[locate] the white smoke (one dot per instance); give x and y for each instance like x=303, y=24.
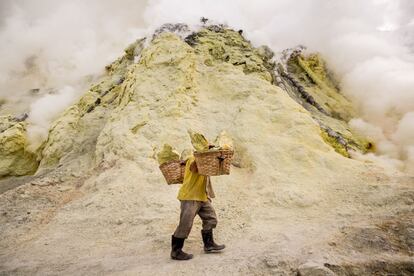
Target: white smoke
x=44, y=110
x=48, y=46
x=369, y=44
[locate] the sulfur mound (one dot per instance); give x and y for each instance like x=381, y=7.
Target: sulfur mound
x=15, y=158
x=294, y=203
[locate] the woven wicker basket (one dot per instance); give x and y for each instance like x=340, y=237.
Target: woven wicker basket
x=214, y=162
x=173, y=171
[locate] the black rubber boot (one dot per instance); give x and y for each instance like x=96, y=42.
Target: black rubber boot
x=209, y=245
x=176, y=250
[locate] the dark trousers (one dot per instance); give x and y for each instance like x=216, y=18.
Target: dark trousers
x=191, y=208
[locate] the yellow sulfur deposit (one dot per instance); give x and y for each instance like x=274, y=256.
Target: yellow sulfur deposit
x=15, y=158
x=198, y=141
x=167, y=154
x=223, y=141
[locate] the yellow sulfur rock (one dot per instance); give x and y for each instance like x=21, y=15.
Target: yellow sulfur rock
x=223, y=141
x=198, y=141
x=167, y=154
x=15, y=159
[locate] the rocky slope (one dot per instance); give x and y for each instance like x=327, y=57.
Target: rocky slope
x=294, y=203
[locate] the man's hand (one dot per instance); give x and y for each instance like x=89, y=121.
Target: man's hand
x=193, y=167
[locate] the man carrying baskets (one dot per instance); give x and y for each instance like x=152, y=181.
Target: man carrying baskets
x=195, y=196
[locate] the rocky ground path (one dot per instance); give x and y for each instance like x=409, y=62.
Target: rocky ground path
x=121, y=227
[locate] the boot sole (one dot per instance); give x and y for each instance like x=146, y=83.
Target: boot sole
x=177, y=259
x=213, y=250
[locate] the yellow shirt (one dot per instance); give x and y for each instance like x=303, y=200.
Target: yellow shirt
x=194, y=185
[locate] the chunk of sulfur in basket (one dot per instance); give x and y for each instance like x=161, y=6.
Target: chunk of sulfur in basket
x=167, y=154
x=198, y=141
x=224, y=141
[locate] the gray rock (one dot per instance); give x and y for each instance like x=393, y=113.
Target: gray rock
x=314, y=269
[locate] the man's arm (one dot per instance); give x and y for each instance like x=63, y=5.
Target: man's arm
x=193, y=167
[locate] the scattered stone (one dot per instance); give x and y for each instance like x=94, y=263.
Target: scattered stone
x=403, y=268
x=178, y=28
x=272, y=262
x=21, y=117
x=332, y=243
x=313, y=269
x=64, y=188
